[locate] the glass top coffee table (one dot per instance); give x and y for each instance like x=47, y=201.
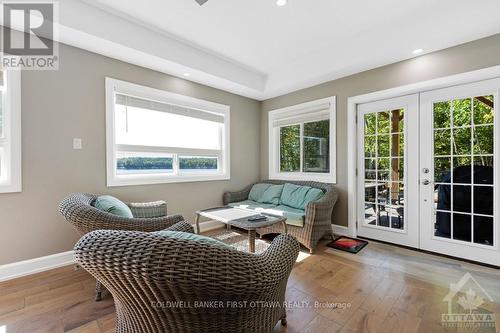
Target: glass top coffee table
x=239, y=218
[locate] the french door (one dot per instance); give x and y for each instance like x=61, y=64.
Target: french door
x=387, y=170
x=428, y=171
x=459, y=171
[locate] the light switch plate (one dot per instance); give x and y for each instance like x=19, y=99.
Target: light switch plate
x=77, y=143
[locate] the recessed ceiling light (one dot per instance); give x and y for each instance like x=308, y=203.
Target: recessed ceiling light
x=281, y=3
x=418, y=51
x=187, y=74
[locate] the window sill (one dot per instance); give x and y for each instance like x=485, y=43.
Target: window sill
x=306, y=176
x=149, y=180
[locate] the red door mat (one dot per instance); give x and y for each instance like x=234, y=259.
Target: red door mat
x=348, y=244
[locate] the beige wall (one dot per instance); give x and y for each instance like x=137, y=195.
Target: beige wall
x=471, y=56
x=60, y=105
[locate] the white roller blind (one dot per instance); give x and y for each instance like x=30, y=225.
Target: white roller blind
x=318, y=113
x=169, y=108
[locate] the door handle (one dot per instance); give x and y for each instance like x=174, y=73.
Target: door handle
x=425, y=182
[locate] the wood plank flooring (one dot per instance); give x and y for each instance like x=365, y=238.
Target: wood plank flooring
x=384, y=288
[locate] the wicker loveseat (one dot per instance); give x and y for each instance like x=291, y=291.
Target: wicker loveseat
x=163, y=283
x=78, y=209
x=317, y=216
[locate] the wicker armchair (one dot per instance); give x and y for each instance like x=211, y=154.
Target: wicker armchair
x=167, y=284
x=77, y=209
x=318, y=219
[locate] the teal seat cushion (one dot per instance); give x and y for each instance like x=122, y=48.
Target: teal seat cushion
x=112, y=205
x=272, y=195
x=294, y=216
x=193, y=237
x=250, y=204
x=297, y=196
x=257, y=192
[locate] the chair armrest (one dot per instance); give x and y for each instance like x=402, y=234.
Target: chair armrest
x=236, y=196
x=202, y=271
x=148, y=209
x=321, y=210
x=282, y=254
x=182, y=226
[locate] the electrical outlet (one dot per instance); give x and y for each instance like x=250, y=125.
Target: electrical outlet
x=77, y=143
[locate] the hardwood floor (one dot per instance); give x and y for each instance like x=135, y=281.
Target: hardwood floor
x=384, y=288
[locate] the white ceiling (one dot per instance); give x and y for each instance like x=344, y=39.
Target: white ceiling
x=258, y=49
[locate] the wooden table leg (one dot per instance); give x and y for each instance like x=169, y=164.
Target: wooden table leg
x=251, y=241
x=197, y=223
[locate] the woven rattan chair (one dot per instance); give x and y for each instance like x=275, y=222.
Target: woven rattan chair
x=167, y=284
x=318, y=219
x=78, y=209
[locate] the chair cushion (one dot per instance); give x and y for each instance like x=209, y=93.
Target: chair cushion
x=272, y=195
x=294, y=216
x=257, y=192
x=193, y=237
x=297, y=196
x=250, y=204
x=112, y=205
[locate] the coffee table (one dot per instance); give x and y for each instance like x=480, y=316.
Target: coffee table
x=238, y=217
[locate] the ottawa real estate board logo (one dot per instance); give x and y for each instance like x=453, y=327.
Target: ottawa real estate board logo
x=28, y=42
x=467, y=308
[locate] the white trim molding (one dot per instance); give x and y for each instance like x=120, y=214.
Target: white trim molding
x=190, y=106
x=415, y=88
x=36, y=265
x=10, y=143
x=321, y=109
x=340, y=230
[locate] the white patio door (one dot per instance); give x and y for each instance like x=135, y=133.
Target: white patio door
x=459, y=133
x=388, y=170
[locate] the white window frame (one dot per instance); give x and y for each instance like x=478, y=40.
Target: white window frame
x=113, y=87
x=10, y=143
x=274, y=142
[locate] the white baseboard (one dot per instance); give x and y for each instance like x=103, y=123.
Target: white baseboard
x=340, y=230
x=36, y=265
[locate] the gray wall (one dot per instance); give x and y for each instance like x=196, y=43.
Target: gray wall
x=471, y=56
x=60, y=105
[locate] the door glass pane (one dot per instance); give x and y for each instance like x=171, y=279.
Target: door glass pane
x=384, y=168
x=483, y=140
x=483, y=110
x=483, y=230
x=442, y=169
x=483, y=200
x=463, y=172
x=290, y=148
x=443, y=224
x=383, y=145
x=442, y=142
x=462, y=227
x=461, y=109
x=461, y=141
x=383, y=122
x=483, y=170
x=462, y=168
x=370, y=123
x=442, y=115
x=317, y=146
